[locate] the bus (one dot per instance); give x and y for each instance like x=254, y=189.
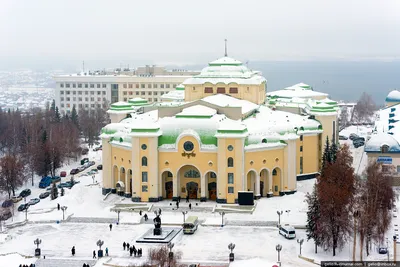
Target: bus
x=287, y=231
x=190, y=225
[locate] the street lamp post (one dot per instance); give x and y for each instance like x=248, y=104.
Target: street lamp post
x=100, y=243
x=170, y=254
x=64, y=208
x=279, y=215
x=394, y=248
x=387, y=247
x=278, y=249
x=300, y=241
x=222, y=218
x=26, y=210
x=231, y=246
x=37, y=242
x=184, y=215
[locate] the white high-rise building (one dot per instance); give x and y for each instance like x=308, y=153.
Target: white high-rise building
x=99, y=89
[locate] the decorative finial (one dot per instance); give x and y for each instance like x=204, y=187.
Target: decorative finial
x=226, y=47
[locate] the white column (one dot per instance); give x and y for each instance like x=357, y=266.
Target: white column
x=257, y=185
x=270, y=190
x=126, y=181
x=203, y=186
x=175, y=185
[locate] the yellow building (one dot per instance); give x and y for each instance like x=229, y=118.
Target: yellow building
x=216, y=137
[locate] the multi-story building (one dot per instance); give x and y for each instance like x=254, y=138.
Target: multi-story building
x=217, y=136
x=99, y=89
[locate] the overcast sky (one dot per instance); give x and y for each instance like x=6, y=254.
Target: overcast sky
x=192, y=32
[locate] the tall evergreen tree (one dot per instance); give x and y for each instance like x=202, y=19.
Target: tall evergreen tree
x=57, y=116
x=313, y=218
x=74, y=116
x=54, y=191
x=53, y=106
x=333, y=151
x=326, y=157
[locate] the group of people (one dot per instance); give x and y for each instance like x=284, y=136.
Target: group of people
x=187, y=201
x=132, y=250
x=30, y=265
x=85, y=265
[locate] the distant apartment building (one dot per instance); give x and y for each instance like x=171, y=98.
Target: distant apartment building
x=99, y=89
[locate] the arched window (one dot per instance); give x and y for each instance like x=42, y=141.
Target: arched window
x=274, y=172
x=385, y=149
x=144, y=161
x=230, y=162
x=264, y=141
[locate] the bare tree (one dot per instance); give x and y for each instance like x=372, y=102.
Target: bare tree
x=159, y=256
x=12, y=174
x=364, y=108
x=335, y=189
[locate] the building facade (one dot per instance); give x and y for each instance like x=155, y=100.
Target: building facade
x=219, y=135
x=93, y=90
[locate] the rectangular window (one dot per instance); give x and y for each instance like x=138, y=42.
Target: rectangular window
x=62, y=105
x=125, y=92
x=301, y=165
x=130, y=93
x=86, y=99
x=125, y=99
x=221, y=90
x=68, y=105
x=149, y=93
x=92, y=85
x=230, y=178
x=398, y=168
x=73, y=85
x=79, y=85
x=104, y=92
x=104, y=85
x=149, y=85
x=62, y=98
x=301, y=148
x=155, y=99
x=86, y=85
x=142, y=93
x=99, y=105
x=145, y=188
x=233, y=90
x=130, y=86
x=61, y=92
x=150, y=99
x=137, y=93
x=92, y=99
x=154, y=93
x=125, y=86
x=276, y=188
x=174, y=86
x=79, y=98
x=142, y=85
x=98, y=85
x=67, y=85
x=144, y=177
x=301, y=138
x=86, y=105
x=208, y=90
x=74, y=92
x=99, y=99
x=61, y=85
x=74, y=98
x=68, y=98
x=104, y=99
x=92, y=92
x=167, y=86
x=137, y=86
x=161, y=85
x=86, y=92
x=79, y=92
x=67, y=92
x=98, y=92
x=231, y=190
x=92, y=105
x=155, y=85
x=80, y=106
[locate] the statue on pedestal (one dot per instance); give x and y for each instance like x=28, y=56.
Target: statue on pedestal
x=157, y=224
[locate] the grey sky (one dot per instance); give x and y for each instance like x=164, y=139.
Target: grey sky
x=188, y=31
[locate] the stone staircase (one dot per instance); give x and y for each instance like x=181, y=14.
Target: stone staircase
x=53, y=262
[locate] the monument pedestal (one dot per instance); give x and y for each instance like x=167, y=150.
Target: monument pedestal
x=157, y=231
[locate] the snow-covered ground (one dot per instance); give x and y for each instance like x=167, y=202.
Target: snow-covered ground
x=255, y=235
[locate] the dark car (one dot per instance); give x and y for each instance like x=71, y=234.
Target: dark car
x=74, y=171
x=359, y=139
x=63, y=174
x=383, y=250
x=353, y=136
x=98, y=148
x=342, y=137
x=100, y=167
x=44, y=195
x=358, y=143
x=23, y=207
x=55, y=179
x=25, y=193
x=5, y=214
x=7, y=203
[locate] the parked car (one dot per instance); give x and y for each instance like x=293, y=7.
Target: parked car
x=100, y=167
x=44, y=195
x=383, y=250
x=84, y=160
x=23, y=207
x=45, y=182
x=358, y=144
x=63, y=174
x=91, y=163
x=5, y=214
x=94, y=170
x=98, y=148
x=85, y=150
x=16, y=199
x=359, y=138
x=7, y=203
x=353, y=136
x=55, y=179
x=33, y=201
x=342, y=137
x=74, y=171
x=81, y=168
x=25, y=193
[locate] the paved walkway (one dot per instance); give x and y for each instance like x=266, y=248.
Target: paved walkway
x=54, y=262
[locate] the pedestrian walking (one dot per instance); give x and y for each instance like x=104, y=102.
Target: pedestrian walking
x=84, y=265
x=106, y=251
x=190, y=206
x=124, y=245
x=187, y=198
x=110, y=226
x=127, y=245
x=146, y=217
x=140, y=212
x=73, y=251
x=177, y=205
x=134, y=251
x=179, y=198
x=131, y=251
x=159, y=211
x=58, y=206
x=94, y=254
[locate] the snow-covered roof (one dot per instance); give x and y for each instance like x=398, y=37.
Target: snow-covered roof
x=301, y=93
x=197, y=110
x=393, y=96
x=376, y=141
x=177, y=95
x=387, y=121
x=229, y=101
x=227, y=71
